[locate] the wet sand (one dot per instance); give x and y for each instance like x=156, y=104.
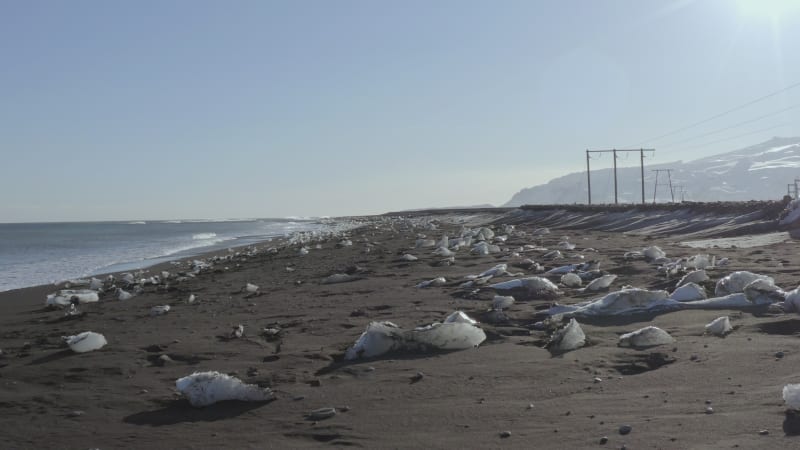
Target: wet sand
x=123, y=396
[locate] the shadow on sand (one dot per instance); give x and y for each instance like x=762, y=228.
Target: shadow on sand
x=178, y=411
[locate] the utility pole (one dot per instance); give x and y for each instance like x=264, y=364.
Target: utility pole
x=681, y=191
x=614, y=154
x=669, y=177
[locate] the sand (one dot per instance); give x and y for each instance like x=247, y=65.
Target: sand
x=123, y=396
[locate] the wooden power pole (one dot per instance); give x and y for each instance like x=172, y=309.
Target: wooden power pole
x=614, y=154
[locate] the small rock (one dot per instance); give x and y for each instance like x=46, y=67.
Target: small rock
x=75, y=413
x=505, y=434
x=709, y=410
x=779, y=355
x=694, y=357
x=315, y=383
x=530, y=405
x=598, y=379
x=603, y=440
x=344, y=408
x=625, y=429
x=417, y=377
x=165, y=358
x=763, y=432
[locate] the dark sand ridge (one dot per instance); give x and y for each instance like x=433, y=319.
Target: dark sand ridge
x=123, y=397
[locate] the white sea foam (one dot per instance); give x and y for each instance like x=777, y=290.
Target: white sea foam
x=203, y=236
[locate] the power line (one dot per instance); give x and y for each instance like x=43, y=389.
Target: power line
x=716, y=116
x=720, y=130
x=740, y=135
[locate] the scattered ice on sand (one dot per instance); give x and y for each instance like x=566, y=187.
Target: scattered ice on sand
x=645, y=337
x=251, y=288
x=64, y=297
x=85, y=342
x=207, y=388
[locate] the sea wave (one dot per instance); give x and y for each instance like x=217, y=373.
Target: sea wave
x=203, y=236
x=137, y=222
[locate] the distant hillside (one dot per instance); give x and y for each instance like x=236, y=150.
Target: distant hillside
x=758, y=172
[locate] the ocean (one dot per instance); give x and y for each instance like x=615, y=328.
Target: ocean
x=32, y=254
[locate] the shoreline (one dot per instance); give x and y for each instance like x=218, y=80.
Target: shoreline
x=123, y=395
x=184, y=255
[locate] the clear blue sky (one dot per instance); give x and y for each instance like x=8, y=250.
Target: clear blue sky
x=211, y=109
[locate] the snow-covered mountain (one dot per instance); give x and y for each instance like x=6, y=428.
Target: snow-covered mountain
x=758, y=172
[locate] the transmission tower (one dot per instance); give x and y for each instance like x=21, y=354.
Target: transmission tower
x=668, y=183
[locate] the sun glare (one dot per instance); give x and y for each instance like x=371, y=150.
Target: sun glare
x=768, y=8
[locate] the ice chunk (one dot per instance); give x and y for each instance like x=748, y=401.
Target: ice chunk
x=653, y=253
x=689, y=292
x=569, y=338
x=736, y=282
x=408, y=257
x=695, y=276
x=445, y=336
x=496, y=271
x=531, y=287
x=159, y=310
x=792, y=303
x=443, y=251
x=645, y=337
x=85, y=342
x=720, y=326
x=340, y=278
x=763, y=289
x=700, y=261
x=438, y=281
x=459, y=332
x=791, y=396
x=627, y=301
x=502, y=302
x=601, y=283
x=207, y=388
x=571, y=280
x=251, y=288
x=459, y=317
